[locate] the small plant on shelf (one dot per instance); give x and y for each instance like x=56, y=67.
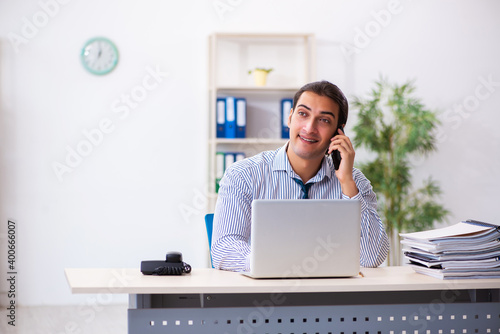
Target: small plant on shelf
x=260, y=75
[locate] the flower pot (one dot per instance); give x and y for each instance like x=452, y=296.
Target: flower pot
x=260, y=77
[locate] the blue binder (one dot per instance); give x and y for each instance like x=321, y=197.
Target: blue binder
x=230, y=117
x=229, y=159
x=241, y=117
x=221, y=117
x=219, y=169
x=232, y=157
x=286, y=106
x=222, y=162
x=238, y=156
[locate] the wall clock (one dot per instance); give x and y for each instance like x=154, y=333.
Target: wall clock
x=99, y=56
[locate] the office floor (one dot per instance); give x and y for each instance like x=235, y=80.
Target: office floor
x=111, y=319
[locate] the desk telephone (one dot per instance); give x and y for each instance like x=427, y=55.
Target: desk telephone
x=172, y=265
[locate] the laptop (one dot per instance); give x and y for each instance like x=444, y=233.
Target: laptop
x=305, y=238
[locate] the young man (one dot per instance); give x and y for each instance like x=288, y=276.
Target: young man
x=299, y=169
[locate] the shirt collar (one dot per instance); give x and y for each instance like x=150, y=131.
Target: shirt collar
x=281, y=163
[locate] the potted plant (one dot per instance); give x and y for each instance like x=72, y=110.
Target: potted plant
x=260, y=75
x=396, y=127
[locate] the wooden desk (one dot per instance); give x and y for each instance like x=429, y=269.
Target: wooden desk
x=386, y=300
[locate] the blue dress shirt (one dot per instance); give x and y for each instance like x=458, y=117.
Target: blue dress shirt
x=269, y=175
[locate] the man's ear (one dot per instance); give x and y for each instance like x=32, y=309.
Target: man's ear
x=290, y=117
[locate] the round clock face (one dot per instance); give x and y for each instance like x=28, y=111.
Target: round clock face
x=99, y=56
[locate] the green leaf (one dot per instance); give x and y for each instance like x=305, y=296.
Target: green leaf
x=395, y=125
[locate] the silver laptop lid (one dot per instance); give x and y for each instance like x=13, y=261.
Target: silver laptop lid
x=305, y=238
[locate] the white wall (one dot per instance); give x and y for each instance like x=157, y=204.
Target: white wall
x=125, y=201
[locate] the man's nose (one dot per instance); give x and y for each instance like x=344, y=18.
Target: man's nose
x=310, y=126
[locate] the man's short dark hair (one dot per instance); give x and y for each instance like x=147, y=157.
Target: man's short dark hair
x=325, y=88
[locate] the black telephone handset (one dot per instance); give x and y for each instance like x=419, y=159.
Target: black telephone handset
x=336, y=158
x=172, y=265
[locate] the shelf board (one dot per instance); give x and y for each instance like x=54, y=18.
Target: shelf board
x=263, y=141
x=256, y=89
x=239, y=36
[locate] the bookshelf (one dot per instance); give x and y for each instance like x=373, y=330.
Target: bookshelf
x=231, y=56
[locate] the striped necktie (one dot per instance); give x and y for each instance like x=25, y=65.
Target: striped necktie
x=305, y=187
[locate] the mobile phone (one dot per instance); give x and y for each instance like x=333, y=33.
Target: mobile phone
x=336, y=158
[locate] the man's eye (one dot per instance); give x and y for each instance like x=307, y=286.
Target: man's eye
x=325, y=120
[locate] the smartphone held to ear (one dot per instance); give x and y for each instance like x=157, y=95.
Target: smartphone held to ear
x=336, y=158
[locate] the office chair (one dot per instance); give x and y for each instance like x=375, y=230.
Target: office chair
x=209, y=222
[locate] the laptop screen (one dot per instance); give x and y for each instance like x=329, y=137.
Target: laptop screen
x=305, y=238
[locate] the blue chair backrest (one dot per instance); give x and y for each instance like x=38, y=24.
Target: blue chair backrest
x=209, y=223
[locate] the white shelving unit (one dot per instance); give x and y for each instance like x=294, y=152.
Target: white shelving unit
x=231, y=56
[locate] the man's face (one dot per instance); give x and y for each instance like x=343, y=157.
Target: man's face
x=312, y=124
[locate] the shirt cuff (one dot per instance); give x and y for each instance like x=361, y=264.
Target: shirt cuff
x=359, y=197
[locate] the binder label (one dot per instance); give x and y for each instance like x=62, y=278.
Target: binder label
x=230, y=115
x=221, y=106
x=241, y=110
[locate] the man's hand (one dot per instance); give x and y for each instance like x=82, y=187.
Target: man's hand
x=342, y=143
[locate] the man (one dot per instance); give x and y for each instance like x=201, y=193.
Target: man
x=299, y=169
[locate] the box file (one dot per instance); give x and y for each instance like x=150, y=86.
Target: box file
x=230, y=117
x=241, y=117
x=239, y=156
x=228, y=160
x=286, y=106
x=221, y=117
x=219, y=169
x=231, y=113
x=223, y=160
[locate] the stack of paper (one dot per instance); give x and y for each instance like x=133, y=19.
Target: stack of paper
x=469, y=249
